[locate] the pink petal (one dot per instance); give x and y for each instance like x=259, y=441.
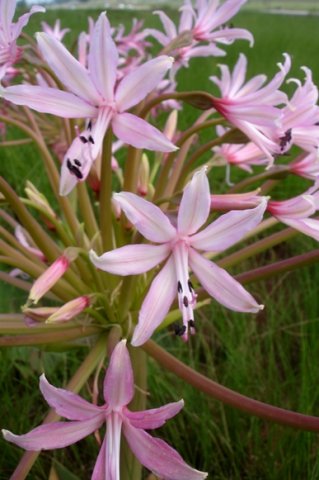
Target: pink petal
x=308, y=226
x=167, y=23
x=195, y=205
x=103, y=58
x=154, y=418
x=49, y=100
x=119, y=382
x=113, y=443
x=158, y=456
x=23, y=20
x=66, y=403
x=141, y=81
x=228, y=229
x=221, y=286
x=55, y=435
x=131, y=259
x=7, y=9
x=147, y=218
x=68, y=70
x=100, y=464
x=137, y=132
x=156, y=303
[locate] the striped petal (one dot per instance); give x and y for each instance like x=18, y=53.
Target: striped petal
x=147, y=218
x=195, y=205
x=228, y=229
x=222, y=286
x=156, y=303
x=119, y=382
x=154, y=418
x=131, y=259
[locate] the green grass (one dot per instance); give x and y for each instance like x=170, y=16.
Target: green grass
x=272, y=356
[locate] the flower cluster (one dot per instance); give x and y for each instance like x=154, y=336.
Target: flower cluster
x=148, y=216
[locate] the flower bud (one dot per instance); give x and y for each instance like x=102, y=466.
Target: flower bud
x=69, y=310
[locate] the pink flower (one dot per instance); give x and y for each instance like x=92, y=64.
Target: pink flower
x=301, y=116
x=93, y=94
x=210, y=22
x=9, y=31
x=236, y=201
x=296, y=211
x=56, y=31
x=205, y=23
x=251, y=106
x=85, y=418
x=241, y=155
x=179, y=246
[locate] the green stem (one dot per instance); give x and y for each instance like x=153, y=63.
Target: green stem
x=131, y=170
x=274, y=172
x=257, y=247
x=48, y=337
x=282, y=266
x=228, y=396
x=78, y=380
x=87, y=211
x=106, y=193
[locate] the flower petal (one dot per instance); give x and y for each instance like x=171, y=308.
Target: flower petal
x=146, y=217
x=7, y=9
x=137, y=132
x=195, y=204
x=156, y=303
x=66, y=403
x=103, y=58
x=228, y=229
x=55, y=435
x=154, y=418
x=131, y=259
x=158, y=456
x=100, y=464
x=48, y=100
x=68, y=70
x=119, y=381
x=141, y=81
x=308, y=226
x=222, y=286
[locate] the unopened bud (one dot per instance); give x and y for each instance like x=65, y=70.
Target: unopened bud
x=69, y=310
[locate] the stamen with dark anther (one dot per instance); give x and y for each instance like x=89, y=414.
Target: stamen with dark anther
x=179, y=330
x=90, y=125
x=285, y=139
x=73, y=169
x=190, y=286
x=77, y=162
x=83, y=139
x=185, y=301
x=179, y=287
x=91, y=139
x=191, y=323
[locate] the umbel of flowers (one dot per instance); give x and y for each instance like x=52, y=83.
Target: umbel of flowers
x=133, y=243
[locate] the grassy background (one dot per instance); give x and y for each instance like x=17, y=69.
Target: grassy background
x=272, y=356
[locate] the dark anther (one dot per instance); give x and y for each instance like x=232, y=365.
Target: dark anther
x=90, y=125
x=185, y=301
x=179, y=330
x=91, y=139
x=190, y=286
x=83, y=139
x=191, y=323
x=73, y=169
x=179, y=287
x=285, y=139
x=77, y=162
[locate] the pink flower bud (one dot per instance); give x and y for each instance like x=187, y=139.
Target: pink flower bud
x=69, y=310
x=50, y=277
x=236, y=201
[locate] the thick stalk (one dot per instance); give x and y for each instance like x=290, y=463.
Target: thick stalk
x=131, y=469
x=87, y=210
x=47, y=338
x=131, y=170
x=75, y=384
x=106, y=193
x=274, y=172
x=228, y=396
